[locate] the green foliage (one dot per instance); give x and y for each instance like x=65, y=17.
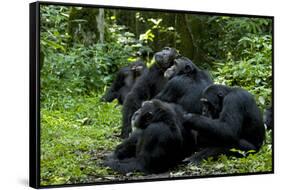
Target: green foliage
x=81, y=70
x=224, y=33
x=253, y=71
x=53, y=25
x=157, y=32
x=121, y=35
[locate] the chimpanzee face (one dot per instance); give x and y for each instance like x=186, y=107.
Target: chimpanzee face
x=143, y=116
x=182, y=66
x=165, y=58
x=208, y=109
x=137, y=69
x=212, y=102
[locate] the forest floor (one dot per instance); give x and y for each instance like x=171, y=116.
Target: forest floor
x=77, y=133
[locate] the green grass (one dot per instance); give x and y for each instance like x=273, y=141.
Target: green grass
x=74, y=139
x=77, y=133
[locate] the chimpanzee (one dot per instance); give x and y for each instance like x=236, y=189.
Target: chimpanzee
x=185, y=85
x=268, y=118
x=125, y=79
x=157, y=143
x=230, y=119
x=147, y=86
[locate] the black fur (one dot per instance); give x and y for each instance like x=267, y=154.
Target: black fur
x=158, y=143
x=185, y=85
x=147, y=86
x=231, y=119
x=125, y=80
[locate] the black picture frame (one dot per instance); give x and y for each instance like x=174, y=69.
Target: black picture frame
x=34, y=91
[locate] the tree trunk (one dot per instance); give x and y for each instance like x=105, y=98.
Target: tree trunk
x=100, y=24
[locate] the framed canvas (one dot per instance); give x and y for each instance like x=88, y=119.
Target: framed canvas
x=131, y=94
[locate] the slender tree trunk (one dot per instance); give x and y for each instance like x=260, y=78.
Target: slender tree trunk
x=100, y=23
x=175, y=33
x=195, y=49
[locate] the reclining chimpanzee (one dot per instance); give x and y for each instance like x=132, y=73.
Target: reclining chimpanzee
x=158, y=142
x=147, y=86
x=125, y=79
x=230, y=119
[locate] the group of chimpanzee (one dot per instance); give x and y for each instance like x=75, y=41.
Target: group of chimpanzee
x=173, y=113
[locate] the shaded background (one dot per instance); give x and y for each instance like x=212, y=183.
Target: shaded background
x=84, y=47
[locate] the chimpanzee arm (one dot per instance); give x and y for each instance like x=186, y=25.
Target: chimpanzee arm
x=213, y=128
x=226, y=128
x=126, y=165
x=131, y=105
x=127, y=148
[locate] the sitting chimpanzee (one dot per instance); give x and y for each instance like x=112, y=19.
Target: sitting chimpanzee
x=185, y=85
x=147, y=86
x=125, y=79
x=157, y=143
x=268, y=118
x=230, y=119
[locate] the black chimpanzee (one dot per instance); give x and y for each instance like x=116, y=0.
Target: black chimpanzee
x=125, y=79
x=185, y=85
x=230, y=119
x=147, y=86
x=157, y=143
x=268, y=118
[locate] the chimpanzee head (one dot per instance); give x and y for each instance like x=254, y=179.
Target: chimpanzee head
x=137, y=68
x=182, y=66
x=151, y=111
x=212, y=100
x=165, y=58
